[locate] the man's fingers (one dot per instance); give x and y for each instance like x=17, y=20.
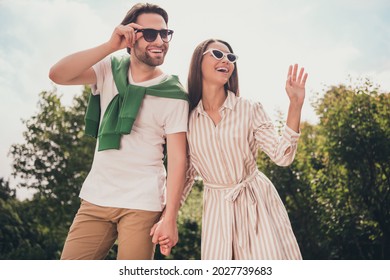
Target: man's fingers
x=128, y=31
x=155, y=238
x=153, y=229
x=135, y=26
x=164, y=242
x=165, y=250
x=162, y=237
x=135, y=36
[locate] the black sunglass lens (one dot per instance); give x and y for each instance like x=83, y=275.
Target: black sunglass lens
x=150, y=35
x=164, y=34
x=231, y=57
x=218, y=54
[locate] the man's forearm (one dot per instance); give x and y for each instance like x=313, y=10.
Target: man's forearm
x=72, y=66
x=175, y=181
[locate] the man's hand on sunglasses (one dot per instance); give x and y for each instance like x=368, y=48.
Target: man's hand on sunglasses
x=124, y=36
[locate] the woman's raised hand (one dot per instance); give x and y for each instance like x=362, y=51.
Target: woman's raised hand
x=295, y=86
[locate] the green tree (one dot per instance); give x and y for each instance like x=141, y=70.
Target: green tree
x=337, y=189
x=54, y=161
x=355, y=122
x=297, y=187
x=20, y=237
x=5, y=191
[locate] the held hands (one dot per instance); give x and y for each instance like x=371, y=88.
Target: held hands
x=165, y=233
x=124, y=36
x=295, y=86
x=165, y=248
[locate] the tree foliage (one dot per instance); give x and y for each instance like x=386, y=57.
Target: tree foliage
x=355, y=121
x=336, y=191
x=21, y=234
x=56, y=155
x=54, y=161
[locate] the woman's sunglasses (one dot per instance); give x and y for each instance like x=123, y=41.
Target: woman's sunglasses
x=151, y=34
x=219, y=55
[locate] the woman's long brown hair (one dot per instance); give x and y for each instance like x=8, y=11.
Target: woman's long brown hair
x=195, y=75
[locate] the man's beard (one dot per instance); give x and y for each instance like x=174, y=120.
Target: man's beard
x=143, y=55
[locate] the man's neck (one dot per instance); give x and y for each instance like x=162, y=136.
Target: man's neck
x=140, y=72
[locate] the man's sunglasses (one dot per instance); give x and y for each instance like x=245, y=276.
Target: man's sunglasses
x=219, y=55
x=151, y=34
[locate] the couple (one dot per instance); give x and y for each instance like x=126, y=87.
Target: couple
x=135, y=109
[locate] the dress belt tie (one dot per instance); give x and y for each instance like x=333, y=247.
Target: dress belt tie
x=242, y=211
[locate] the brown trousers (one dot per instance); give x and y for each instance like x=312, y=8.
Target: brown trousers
x=95, y=229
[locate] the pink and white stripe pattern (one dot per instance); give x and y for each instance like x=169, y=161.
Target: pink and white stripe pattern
x=243, y=215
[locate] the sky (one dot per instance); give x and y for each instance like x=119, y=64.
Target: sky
x=335, y=40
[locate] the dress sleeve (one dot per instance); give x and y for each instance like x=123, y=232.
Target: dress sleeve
x=280, y=148
x=189, y=181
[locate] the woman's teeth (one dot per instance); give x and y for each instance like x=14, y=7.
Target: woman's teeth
x=222, y=69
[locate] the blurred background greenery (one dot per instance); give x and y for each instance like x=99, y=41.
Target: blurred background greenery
x=337, y=191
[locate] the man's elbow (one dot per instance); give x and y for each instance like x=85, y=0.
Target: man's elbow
x=54, y=75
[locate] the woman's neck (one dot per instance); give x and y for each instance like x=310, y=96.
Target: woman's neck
x=213, y=97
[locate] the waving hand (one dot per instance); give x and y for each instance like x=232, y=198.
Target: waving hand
x=295, y=86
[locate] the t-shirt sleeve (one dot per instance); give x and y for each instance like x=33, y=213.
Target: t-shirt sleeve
x=177, y=118
x=101, y=70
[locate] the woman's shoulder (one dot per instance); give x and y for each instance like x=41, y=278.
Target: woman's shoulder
x=244, y=101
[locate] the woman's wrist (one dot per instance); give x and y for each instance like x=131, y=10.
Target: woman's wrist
x=296, y=105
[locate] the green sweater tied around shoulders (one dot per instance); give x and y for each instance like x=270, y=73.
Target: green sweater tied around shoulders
x=122, y=111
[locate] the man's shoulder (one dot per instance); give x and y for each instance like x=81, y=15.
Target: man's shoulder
x=118, y=57
x=118, y=61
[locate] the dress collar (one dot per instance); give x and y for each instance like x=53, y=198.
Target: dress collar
x=229, y=103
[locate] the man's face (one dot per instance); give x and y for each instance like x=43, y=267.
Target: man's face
x=150, y=53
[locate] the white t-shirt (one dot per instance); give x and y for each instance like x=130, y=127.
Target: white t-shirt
x=134, y=176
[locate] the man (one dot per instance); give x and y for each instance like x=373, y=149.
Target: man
x=124, y=194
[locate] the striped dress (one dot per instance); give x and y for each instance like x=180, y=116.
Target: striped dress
x=243, y=215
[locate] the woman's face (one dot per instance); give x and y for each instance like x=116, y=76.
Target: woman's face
x=216, y=71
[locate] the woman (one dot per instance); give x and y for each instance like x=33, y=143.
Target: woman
x=243, y=215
